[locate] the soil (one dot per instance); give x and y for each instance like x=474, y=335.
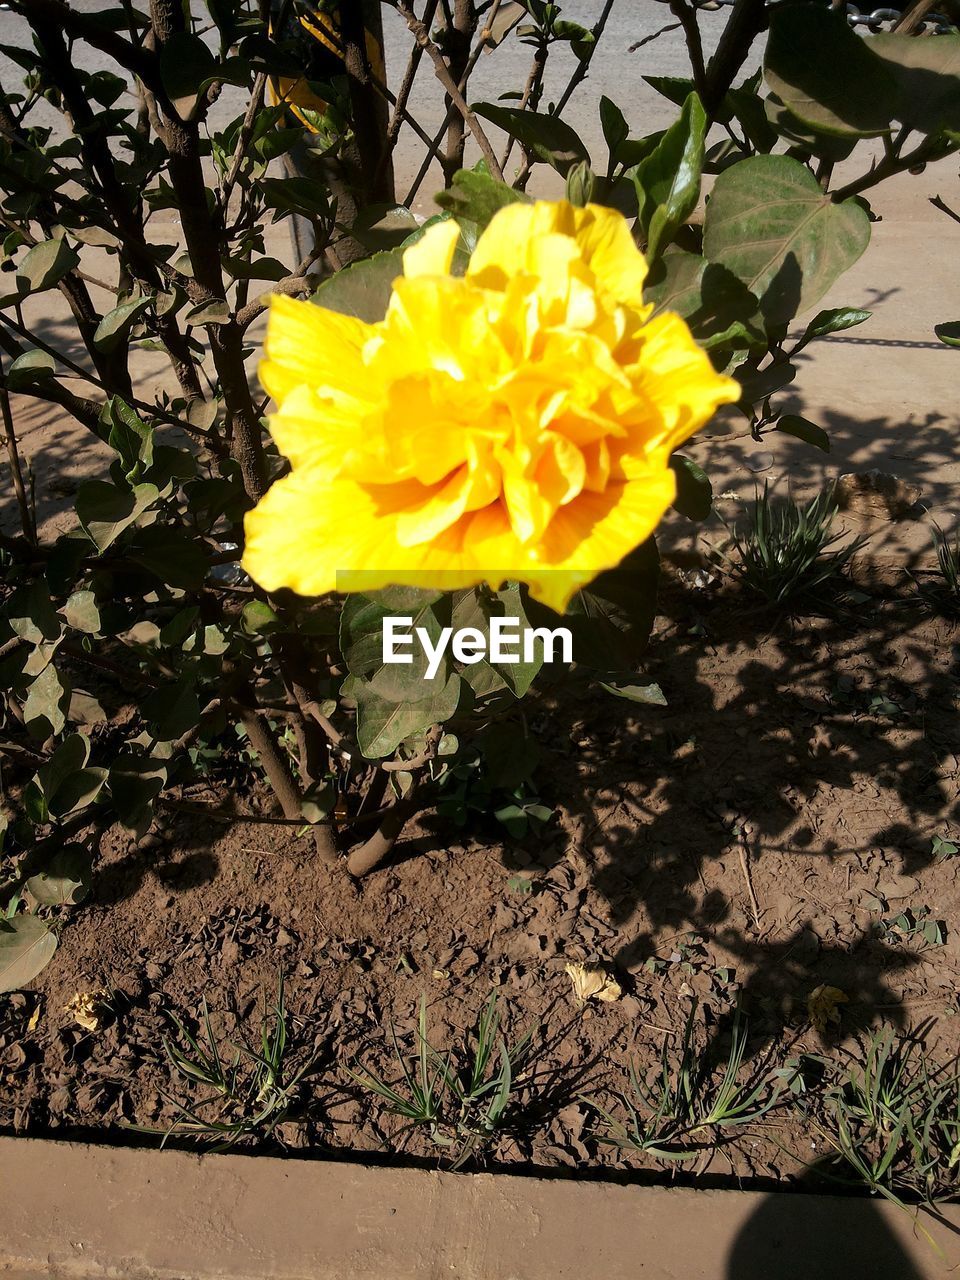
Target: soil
x=750, y=841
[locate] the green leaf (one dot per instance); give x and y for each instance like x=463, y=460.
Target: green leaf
x=675, y=89
x=31, y=614
x=614, y=125
x=45, y=265
x=650, y=695
x=65, y=880
x=70, y=755
x=77, y=791
x=382, y=724
x=476, y=197
x=104, y=511
x=383, y=226
x=826, y=75
x=172, y=710
x=258, y=618
x=717, y=306
x=363, y=289
x=793, y=425
x=215, y=312
x=186, y=64
x=26, y=947
x=256, y=268
x=926, y=73
x=135, y=782
x=361, y=640
x=770, y=224
x=546, y=137
x=949, y=333
x=81, y=612
x=44, y=710
x=475, y=609
x=129, y=435
x=668, y=180
x=306, y=196
x=32, y=366
x=832, y=321
x=115, y=326
x=694, y=492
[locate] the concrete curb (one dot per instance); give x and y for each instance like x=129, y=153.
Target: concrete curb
x=68, y=1210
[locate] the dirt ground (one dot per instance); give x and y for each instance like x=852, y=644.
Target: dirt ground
x=750, y=841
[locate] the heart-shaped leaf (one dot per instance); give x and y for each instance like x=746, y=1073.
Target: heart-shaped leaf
x=770, y=224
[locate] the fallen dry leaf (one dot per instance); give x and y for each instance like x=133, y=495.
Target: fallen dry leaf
x=592, y=982
x=822, y=1006
x=89, y=1009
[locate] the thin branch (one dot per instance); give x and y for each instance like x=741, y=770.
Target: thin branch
x=27, y=523
x=422, y=36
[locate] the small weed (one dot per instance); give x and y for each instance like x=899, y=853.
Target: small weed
x=943, y=848
x=918, y=925
x=787, y=552
x=943, y=592
x=894, y=1121
x=461, y=1101
x=686, y=1111
x=251, y=1093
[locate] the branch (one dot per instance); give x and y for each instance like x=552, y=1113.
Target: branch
x=748, y=19
x=422, y=36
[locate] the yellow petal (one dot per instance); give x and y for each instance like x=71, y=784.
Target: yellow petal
x=679, y=380
x=608, y=248
x=314, y=536
x=307, y=345
x=319, y=429
x=432, y=254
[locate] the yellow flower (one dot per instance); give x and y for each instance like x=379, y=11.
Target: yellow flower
x=515, y=423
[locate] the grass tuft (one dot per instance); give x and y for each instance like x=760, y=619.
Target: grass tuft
x=787, y=553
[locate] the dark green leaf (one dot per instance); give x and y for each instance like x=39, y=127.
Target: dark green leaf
x=185, y=65
x=832, y=321
x=32, y=366
x=64, y=880
x=135, y=782
x=105, y=511
x=172, y=710
x=668, y=180
x=476, y=197
x=614, y=125
x=174, y=555
x=115, y=326
x=826, y=75
x=546, y=137
x=793, y=425
x=694, y=492
x=926, y=73
x=45, y=265
x=382, y=724
x=46, y=703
